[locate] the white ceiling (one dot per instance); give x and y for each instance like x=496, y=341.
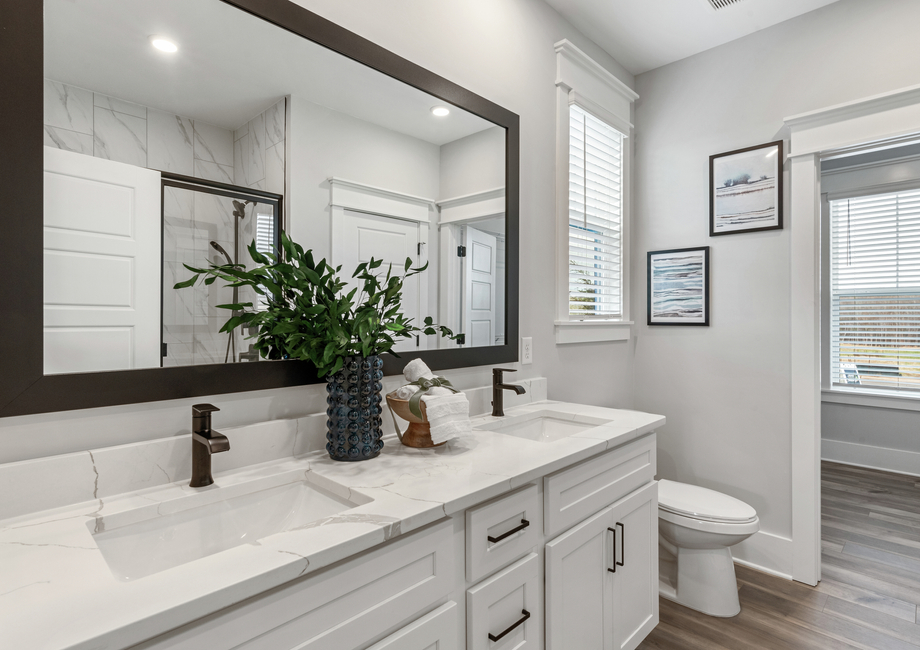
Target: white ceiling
x=229, y=68
x=645, y=34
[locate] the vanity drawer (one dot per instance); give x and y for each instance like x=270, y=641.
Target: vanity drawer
x=505, y=611
x=575, y=493
x=434, y=631
x=500, y=532
x=347, y=605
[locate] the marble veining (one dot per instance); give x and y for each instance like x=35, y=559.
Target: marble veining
x=120, y=137
x=256, y=170
x=213, y=144
x=274, y=168
x=213, y=172
x=119, y=105
x=171, y=143
x=68, y=107
x=68, y=140
x=274, y=124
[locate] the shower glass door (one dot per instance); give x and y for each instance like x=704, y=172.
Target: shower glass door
x=210, y=223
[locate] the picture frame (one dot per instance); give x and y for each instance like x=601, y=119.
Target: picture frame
x=746, y=190
x=678, y=286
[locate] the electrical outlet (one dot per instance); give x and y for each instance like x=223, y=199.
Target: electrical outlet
x=526, y=350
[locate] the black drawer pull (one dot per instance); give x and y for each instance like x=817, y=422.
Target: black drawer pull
x=622, y=546
x=496, y=540
x=615, y=564
x=525, y=616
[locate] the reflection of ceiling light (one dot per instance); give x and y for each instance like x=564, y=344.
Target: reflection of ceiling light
x=772, y=153
x=164, y=44
x=440, y=111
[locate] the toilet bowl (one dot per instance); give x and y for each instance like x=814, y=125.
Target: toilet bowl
x=696, y=527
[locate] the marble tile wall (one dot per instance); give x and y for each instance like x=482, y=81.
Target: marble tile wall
x=94, y=124
x=258, y=151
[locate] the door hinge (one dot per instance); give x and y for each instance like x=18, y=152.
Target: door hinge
x=461, y=251
x=164, y=350
x=461, y=339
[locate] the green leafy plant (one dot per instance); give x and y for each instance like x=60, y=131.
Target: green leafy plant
x=306, y=313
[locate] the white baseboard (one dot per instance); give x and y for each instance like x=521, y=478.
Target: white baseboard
x=889, y=460
x=765, y=552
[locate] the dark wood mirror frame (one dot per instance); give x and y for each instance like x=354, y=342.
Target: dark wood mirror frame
x=24, y=389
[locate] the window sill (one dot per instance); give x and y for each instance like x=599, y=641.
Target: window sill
x=592, y=331
x=872, y=398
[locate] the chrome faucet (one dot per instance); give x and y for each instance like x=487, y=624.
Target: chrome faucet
x=498, y=387
x=205, y=442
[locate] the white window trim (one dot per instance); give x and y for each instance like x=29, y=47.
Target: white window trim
x=581, y=80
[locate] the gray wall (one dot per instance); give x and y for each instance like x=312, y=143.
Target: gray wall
x=470, y=164
x=726, y=389
x=500, y=49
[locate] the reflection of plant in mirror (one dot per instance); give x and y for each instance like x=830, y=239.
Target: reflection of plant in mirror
x=308, y=316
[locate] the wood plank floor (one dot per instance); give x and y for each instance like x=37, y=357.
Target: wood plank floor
x=870, y=591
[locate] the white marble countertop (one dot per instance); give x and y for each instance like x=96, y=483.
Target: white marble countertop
x=57, y=591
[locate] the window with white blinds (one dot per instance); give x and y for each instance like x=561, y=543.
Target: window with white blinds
x=265, y=231
x=875, y=291
x=595, y=217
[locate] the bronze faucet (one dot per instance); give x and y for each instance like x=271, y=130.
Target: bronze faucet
x=204, y=443
x=498, y=387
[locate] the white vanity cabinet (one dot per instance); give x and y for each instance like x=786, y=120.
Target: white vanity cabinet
x=568, y=562
x=602, y=573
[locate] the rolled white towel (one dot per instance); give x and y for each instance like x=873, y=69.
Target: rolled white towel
x=407, y=391
x=448, y=415
x=416, y=369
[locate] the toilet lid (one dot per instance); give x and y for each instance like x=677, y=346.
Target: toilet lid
x=701, y=503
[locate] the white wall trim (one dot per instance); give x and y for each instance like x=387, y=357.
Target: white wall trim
x=869, y=456
x=591, y=331
x=880, y=400
x=856, y=108
x=822, y=133
x=479, y=205
x=871, y=165
x=378, y=200
x=623, y=126
x=766, y=552
x=889, y=117
x=569, y=53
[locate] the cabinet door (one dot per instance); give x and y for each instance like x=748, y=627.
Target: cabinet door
x=635, y=583
x=579, y=595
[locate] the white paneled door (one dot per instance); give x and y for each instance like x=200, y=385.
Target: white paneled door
x=479, y=288
x=102, y=264
x=365, y=236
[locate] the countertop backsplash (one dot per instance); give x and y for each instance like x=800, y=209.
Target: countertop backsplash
x=56, y=481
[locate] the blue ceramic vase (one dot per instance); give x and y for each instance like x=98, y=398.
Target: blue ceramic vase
x=354, y=409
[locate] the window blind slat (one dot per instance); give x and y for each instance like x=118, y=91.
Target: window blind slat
x=595, y=216
x=875, y=291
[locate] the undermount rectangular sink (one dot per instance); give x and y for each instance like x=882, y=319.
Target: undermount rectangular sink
x=543, y=426
x=150, y=539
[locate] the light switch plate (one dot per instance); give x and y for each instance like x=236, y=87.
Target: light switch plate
x=526, y=350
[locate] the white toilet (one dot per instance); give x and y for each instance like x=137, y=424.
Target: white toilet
x=695, y=528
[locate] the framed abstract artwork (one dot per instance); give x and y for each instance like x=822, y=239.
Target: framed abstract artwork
x=678, y=286
x=746, y=190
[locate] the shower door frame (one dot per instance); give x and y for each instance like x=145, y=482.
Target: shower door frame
x=194, y=184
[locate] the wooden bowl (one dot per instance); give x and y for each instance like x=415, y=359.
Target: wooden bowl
x=418, y=434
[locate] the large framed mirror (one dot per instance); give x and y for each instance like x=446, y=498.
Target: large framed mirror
x=144, y=135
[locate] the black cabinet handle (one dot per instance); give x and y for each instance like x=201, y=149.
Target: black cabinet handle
x=615, y=565
x=622, y=546
x=525, y=616
x=496, y=540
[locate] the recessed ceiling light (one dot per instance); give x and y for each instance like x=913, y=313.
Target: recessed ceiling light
x=440, y=111
x=163, y=44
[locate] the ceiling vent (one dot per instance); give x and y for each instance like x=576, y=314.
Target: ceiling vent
x=721, y=4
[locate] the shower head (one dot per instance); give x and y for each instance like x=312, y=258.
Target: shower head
x=239, y=209
x=220, y=249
